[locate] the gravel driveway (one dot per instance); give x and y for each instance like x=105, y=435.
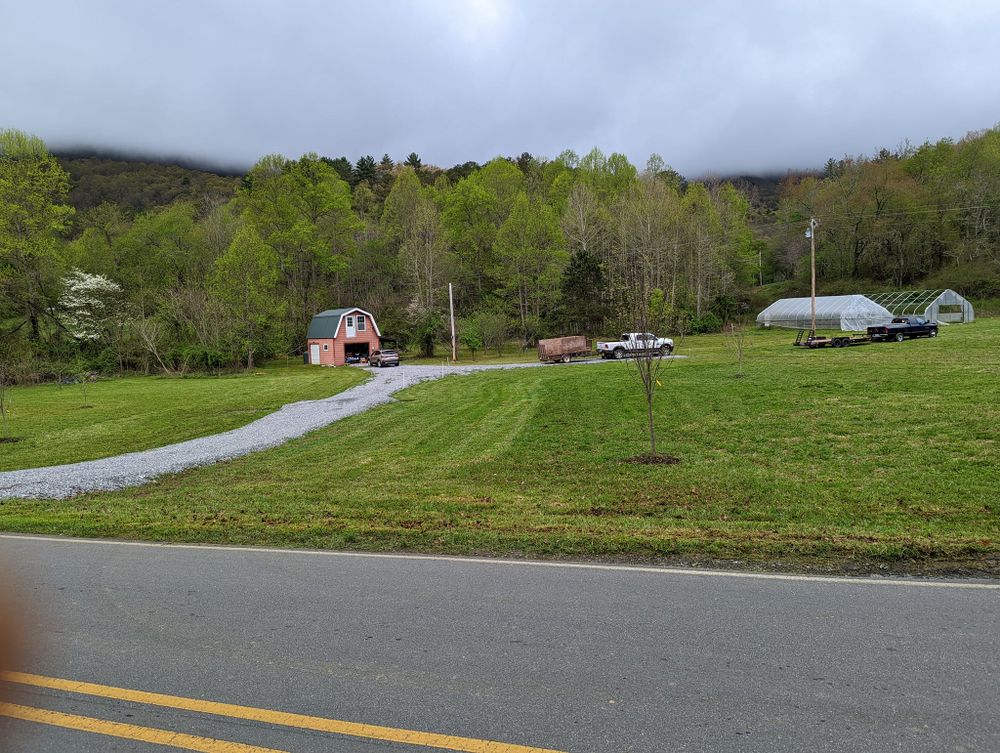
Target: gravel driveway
x=291, y=421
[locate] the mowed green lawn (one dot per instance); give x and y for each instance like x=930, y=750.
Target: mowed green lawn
x=58, y=424
x=881, y=457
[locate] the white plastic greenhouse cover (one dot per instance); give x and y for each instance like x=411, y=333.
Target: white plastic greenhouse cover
x=848, y=313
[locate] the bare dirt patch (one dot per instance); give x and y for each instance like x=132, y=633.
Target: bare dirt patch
x=649, y=458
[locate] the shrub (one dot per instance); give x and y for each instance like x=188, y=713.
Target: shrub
x=426, y=331
x=470, y=335
x=707, y=322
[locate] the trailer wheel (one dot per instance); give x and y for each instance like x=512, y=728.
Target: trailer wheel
x=565, y=358
x=900, y=337
x=619, y=353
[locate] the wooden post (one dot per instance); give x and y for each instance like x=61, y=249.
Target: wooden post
x=451, y=308
x=812, y=258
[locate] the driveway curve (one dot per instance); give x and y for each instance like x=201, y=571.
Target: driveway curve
x=291, y=421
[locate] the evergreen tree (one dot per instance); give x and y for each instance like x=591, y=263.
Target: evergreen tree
x=366, y=169
x=582, y=306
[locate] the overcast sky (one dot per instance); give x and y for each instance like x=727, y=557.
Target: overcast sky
x=717, y=87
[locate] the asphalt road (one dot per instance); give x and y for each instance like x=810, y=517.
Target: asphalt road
x=555, y=657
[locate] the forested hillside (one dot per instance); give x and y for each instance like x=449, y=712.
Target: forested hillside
x=139, y=186
x=924, y=216
x=117, y=265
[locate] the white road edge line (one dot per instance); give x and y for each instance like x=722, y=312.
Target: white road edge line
x=839, y=580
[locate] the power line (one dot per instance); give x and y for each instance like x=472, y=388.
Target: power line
x=889, y=213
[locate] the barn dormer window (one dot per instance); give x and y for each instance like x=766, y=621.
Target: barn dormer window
x=361, y=323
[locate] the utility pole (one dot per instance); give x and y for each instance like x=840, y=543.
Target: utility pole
x=813, y=222
x=451, y=308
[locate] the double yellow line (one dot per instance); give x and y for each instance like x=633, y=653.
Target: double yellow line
x=248, y=713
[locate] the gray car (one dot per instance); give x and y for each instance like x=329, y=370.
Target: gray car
x=383, y=358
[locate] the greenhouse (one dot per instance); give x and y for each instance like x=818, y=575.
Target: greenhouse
x=847, y=313
x=933, y=305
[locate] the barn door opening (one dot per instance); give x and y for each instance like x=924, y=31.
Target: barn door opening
x=356, y=352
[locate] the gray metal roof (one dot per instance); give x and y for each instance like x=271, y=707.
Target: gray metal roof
x=326, y=323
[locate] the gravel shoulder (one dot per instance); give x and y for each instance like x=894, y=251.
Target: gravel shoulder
x=291, y=421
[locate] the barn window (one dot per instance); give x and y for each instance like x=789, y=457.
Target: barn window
x=326, y=346
x=350, y=321
x=361, y=323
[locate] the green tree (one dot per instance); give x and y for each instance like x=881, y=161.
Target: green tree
x=473, y=212
x=704, y=231
x=302, y=210
x=244, y=279
x=582, y=307
x=159, y=253
x=102, y=226
x=366, y=170
x=411, y=223
x=427, y=330
x=470, y=335
x=33, y=216
x=610, y=177
x=532, y=254
x=494, y=325
x=343, y=167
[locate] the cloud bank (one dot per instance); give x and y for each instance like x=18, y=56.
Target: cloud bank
x=713, y=87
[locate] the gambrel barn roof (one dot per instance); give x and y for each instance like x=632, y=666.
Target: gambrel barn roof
x=326, y=324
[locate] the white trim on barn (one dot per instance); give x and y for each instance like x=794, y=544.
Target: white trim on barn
x=368, y=316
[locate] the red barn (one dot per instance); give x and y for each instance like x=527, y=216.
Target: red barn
x=337, y=333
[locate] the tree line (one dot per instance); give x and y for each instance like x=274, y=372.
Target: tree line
x=926, y=216
x=229, y=272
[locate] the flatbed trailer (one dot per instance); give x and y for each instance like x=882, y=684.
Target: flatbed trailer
x=834, y=341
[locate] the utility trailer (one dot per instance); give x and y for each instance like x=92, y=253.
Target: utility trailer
x=563, y=349
x=835, y=341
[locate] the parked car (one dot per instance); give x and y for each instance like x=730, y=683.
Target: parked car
x=383, y=358
x=903, y=328
x=636, y=343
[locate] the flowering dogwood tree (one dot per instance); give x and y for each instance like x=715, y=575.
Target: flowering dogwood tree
x=87, y=304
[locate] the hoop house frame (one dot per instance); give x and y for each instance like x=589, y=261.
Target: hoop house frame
x=926, y=303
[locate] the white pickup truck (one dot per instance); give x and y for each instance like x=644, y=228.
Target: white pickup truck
x=636, y=343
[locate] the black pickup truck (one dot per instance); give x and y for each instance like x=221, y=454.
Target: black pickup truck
x=904, y=327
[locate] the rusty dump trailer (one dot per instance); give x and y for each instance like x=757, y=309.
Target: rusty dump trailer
x=562, y=348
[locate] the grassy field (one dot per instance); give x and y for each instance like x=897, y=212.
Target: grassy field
x=60, y=424
x=875, y=458
x=510, y=353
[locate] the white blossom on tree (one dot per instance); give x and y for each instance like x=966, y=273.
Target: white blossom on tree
x=87, y=304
